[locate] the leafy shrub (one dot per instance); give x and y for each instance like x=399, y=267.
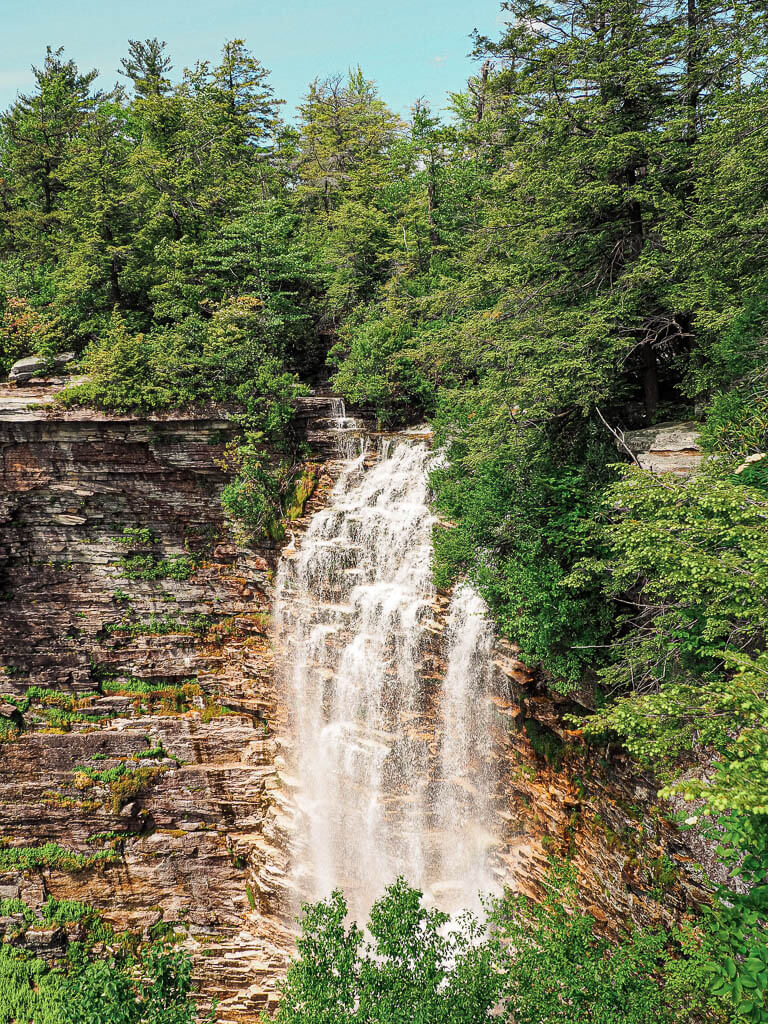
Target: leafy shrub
x=254, y=498
x=378, y=367
x=517, y=521
x=24, y=331
x=162, y=625
x=693, y=556
x=51, y=855
x=149, y=567
x=136, y=535
x=126, y=780
x=151, y=987
x=530, y=963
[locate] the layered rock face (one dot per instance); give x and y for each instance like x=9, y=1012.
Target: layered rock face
x=153, y=744
x=92, y=507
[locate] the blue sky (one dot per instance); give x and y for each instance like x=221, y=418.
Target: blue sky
x=412, y=48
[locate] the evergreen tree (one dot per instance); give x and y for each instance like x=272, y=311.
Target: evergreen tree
x=146, y=66
x=38, y=130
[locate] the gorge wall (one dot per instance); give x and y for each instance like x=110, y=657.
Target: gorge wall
x=146, y=630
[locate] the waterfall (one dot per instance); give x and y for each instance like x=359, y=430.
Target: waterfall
x=465, y=811
x=391, y=755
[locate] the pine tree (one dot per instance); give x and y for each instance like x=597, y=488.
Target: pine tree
x=346, y=130
x=146, y=66
x=38, y=130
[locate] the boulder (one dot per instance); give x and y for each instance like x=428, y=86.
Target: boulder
x=35, y=366
x=667, y=447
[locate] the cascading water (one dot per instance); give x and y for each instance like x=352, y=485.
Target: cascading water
x=392, y=758
x=467, y=773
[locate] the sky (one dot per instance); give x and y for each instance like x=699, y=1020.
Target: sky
x=411, y=48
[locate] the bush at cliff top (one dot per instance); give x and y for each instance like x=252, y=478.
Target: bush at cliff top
x=25, y=332
x=226, y=357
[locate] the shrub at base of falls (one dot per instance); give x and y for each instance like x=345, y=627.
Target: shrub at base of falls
x=557, y=968
x=413, y=967
x=529, y=963
x=99, y=978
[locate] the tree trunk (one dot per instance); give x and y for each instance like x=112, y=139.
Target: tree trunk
x=47, y=191
x=650, y=380
x=693, y=58
x=481, y=91
x=434, y=238
x=115, y=295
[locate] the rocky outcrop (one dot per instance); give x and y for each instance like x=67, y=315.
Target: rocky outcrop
x=667, y=448
x=34, y=366
x=149, y=744
x=589, y=804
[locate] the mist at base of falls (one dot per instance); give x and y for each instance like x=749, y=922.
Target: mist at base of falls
x=389, y=726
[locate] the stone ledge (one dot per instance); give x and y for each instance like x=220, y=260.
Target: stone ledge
x=667, y=447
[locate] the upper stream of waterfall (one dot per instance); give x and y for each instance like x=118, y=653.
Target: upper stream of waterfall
x=389, y=707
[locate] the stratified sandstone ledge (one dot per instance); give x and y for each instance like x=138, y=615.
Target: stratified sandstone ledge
x=193, y=838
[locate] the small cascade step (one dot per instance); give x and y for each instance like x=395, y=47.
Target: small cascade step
x=327, y=426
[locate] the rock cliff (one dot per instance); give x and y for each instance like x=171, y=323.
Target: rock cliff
x=142, y=713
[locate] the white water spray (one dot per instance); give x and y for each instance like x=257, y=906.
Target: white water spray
x=467, y=776
x=392, y=760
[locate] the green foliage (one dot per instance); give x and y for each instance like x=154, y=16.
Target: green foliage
x=577, y=299
x=224, y=357
x=579, y=252
x=150, y=687
x=376, y=367
x=51, y=855
x=24, y=331
x=528, y=963
x=149, y=567
x=9, y=730
x=737, y=427
x=57, y=709
x=738, y=967
x=124, y=781
x=694, y=554
x=199, y=290
x=561, y=970
x=136, y=536
x=254, y=498
x=525, y=512
x=411, y=968
x=151, y=987
x=162, y=625
x=700, y=574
